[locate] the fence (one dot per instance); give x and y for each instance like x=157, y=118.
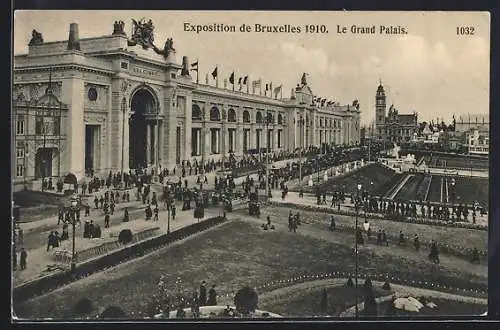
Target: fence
x=105, y=248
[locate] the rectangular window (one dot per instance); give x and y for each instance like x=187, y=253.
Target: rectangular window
x=39, y=125
x=19, y=170
x=20, y=125
x=124, y=65
x=57, y=126
x=20, y=152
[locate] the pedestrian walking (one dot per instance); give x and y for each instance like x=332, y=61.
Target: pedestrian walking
x=212, y=297
x=106, y=220
x=173, y=211
x=24, y=257
x=203, y=294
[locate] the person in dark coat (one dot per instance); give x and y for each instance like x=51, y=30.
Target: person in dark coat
x=91, y=229
x=87, y=210
x=24, y=257
x=212, y=297
x=126, y=217
x=86, y=233
x=106, y=221
x=416, y=243
x=203, y=294
x=172, y=208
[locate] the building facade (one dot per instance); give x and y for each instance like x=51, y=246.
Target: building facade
x=106, y=103
x=391, y=126
x=478, y=141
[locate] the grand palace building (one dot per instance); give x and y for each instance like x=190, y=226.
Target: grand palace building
x=106, y=103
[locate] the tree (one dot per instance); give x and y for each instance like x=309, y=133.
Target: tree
x=246, y=300
x=113, y=312
x=125, y=236
x=83, y=308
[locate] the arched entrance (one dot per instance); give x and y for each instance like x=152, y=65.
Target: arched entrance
x=142, y=135
x=43, y=163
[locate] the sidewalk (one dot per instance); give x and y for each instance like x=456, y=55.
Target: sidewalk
x=39, y=260
x=310, y=200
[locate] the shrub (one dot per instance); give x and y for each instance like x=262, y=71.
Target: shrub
x=125, y=236
x=386, y=286
x=83, y=307
x=113, y=312
x=246, y=300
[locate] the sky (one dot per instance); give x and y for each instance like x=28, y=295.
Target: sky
x=430, y=70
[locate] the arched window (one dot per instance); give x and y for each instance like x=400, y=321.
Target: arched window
x=231, y=116
x=280, y=119
x=196, y=112
x=258, y=117
x=246, y=116
x=214, y=114
x=270, y=118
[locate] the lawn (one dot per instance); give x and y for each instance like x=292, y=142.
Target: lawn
x=469, y=190
x=370, y=177
x=410, y=188
x=443, y=235
x=444, y=307
x=435, y=189
x=307, y=302
x=236, y=254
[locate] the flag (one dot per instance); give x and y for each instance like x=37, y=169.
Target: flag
x=239, y=81
x=231, y=78
x=267, y=87
x=194, y=66
x=245, y=80
x=214, y=73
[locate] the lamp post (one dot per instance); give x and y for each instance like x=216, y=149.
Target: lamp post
x=356, y=207
x=169, y=206
x=301, y=124
x=74, y=208
x=267, y=122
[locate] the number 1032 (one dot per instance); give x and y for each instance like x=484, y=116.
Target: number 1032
x=465, y=30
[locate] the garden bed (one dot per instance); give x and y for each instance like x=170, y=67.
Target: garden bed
x=231, y=256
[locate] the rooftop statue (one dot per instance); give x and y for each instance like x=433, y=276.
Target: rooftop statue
x=143, y=34
x=303, y=80
x=119, y=28
x=36, y=38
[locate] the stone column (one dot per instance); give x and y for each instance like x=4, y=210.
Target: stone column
x=73, y=95
x=314, y=134
x=156, y=144
x=187, y=126
x=239, y=140
x=206, y=143
x=126, y=138
x=148, y=144
x=252, y=144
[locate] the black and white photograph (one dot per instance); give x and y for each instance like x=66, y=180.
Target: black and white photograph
x=249, y=165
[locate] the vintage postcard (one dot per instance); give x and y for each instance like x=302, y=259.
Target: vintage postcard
x=249, y=165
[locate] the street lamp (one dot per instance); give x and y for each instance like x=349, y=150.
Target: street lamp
x=356, y=207
x=74, y=208
x=268, y=135
x=169, y=206
x=301, y=124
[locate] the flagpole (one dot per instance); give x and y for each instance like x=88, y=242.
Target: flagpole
x=234, y=79
x=197, y=72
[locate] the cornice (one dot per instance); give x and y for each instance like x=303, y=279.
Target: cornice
x=63, y=67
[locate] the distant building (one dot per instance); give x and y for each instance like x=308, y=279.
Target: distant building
x=392, y=126
x=478, y=141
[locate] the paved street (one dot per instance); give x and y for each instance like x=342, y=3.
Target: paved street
x=35, y=242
